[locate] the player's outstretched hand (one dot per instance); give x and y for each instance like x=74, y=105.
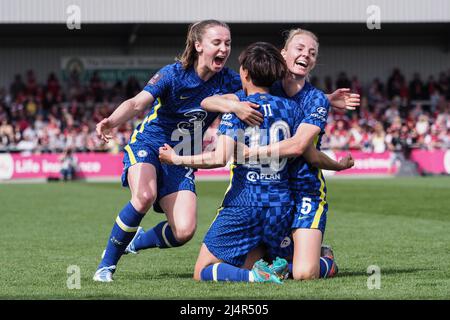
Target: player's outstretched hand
x=103, y=129
x=343, y=99
x=245, y=111
x=167, y=154
x=347, y=162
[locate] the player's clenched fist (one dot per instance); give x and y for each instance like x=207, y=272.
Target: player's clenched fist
x=167, y=154
x=347, y=162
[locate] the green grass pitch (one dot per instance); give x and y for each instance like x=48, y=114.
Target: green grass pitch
x=400, y=225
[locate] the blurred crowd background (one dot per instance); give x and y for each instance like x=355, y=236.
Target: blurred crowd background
x=396, y=113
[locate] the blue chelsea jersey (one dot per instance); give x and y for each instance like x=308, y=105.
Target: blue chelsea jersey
x=315, y=106
x=176, y=111
x=261, y=184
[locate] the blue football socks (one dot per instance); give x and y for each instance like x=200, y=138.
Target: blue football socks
x=122, y=233
x=224, y=272
x=159, y=236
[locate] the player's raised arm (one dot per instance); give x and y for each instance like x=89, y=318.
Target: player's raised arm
x=125, y=111
x=207, y=160
x=229, y=103
x=288, y=148
x=320, y=160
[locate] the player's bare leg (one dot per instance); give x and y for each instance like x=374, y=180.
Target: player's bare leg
x=142, y=182
x=181, y=211
x=210, y=268
x=205, y=258
x=306, y=261
x=253, y=256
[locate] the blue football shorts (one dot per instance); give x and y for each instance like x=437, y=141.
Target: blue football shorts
x=310, y=211
x=238, y=230
x=170, y=178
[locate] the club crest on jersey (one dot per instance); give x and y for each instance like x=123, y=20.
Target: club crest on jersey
x=155, y=79
x=142, y=153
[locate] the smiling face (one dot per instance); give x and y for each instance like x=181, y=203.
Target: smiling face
x=214, y=48
x=300, y=54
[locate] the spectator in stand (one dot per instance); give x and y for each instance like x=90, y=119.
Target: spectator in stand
x=444, y=85
x=339, y=138
x=69, y=164
x=378, y=139
x=30, y=106
x=96, y=87
x=4, y=114
x=132, y=87
x=343, y=81
x=328, y=84
x=395, y=83
x=27, y=144
x=375, y=94
x=416, y=88
x=422, y=125
x=6, y=134
x=393, y=111
x=53, y=84
x=18, y=86
x=66, y=113
x=31, y=84
x=443, y=117
x=444, y=139
x=356, y=86
x=431, y=139
x=356, y=137
x=431, y=87
x=81, y=140
x=408, y=139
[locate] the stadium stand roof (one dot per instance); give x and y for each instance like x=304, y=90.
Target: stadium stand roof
x=233, y=11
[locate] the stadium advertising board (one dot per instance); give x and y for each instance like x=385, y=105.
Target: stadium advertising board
x=111, y=69
x=102, y=165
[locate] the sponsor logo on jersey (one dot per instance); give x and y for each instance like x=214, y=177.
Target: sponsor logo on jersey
x=195, y=120
x=184, y=97
x=252, y=176
x=318, y=116
x=227, y=116
x=226, y=123
x=322, y=111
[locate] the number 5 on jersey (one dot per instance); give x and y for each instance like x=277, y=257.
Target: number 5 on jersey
x=306, y=205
